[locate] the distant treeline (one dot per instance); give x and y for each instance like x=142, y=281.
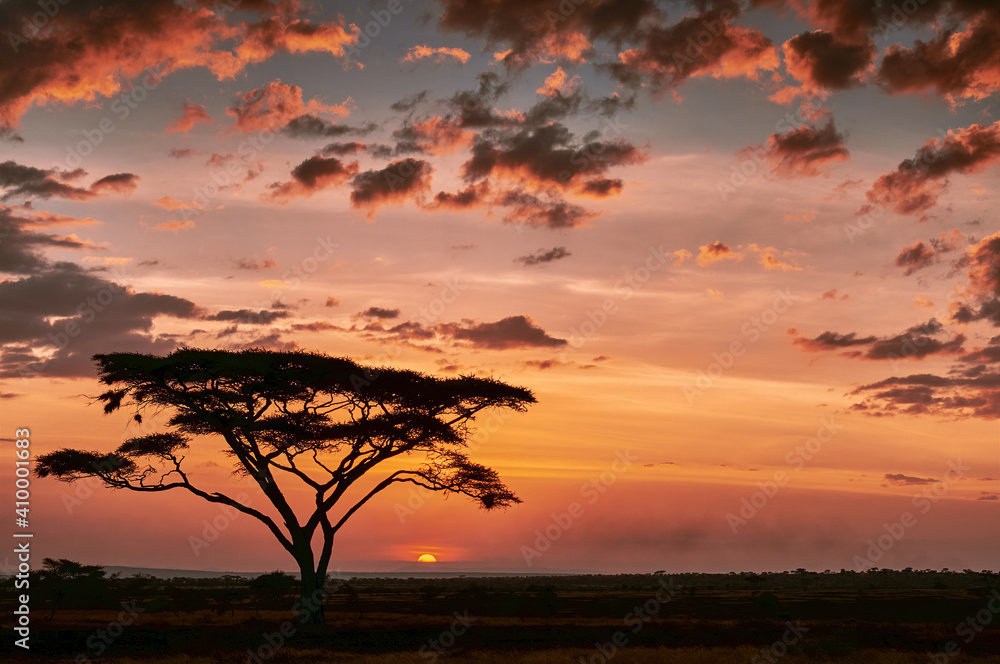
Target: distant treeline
x=69, y=585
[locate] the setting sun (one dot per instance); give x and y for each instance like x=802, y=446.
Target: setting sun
x=427, y=558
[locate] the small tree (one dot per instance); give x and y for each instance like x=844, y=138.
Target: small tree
x=72, y=585
x=272, y=590
x=294, y=416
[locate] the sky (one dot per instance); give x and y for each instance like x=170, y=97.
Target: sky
x=746, y=255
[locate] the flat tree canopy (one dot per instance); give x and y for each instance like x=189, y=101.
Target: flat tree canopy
x=294, y=417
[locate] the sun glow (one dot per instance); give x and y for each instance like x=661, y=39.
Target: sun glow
x=427, y=558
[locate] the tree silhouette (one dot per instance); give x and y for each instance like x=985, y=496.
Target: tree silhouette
x=271, y=591
x=72, y=585
x=297, y=416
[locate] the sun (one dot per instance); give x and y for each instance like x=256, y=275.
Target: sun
x=427, y=558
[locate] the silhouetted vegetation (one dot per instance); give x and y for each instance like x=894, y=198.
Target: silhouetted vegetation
x=850, y=616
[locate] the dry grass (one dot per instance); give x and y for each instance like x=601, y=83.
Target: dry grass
x=735, y=655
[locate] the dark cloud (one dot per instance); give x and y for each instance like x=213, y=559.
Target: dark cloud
x=915, y=257
x=547, y=155
x=906, y=480
x=435, y=135
x=970, y=388
x=823, y=62
x=472, y=196
x=316, y=326
x=981, y=297
x=119, y=183
x=340, y=149
x=832, y=341
x=310, y=126
x=853, y=21
x=701, y=45
x=379, y=312
x=20, y=181
x=805, y=151
x=916, y=184
x=380, y=151
x=546, y=29
x=612, y=105
x=21, y=247
x=602, y=187
x=400, y=180
x=958, y=65
x=986, y=355
x=247, y=316
x=917, y=342
x=549, y=211
x=910, y=345
x=543, y=256
x=475, y=108
x=78, y=313
x=253, y=264
x=29, y=182
x=272, y=341
x=927, y=394
x=507, y=333
x=312, y=175
x=556, y=106
x=89, y=49
x=542, y=365
x=408, y=104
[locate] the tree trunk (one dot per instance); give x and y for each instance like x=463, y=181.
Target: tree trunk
x=312, y=596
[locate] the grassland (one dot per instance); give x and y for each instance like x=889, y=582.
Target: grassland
x=708, y=619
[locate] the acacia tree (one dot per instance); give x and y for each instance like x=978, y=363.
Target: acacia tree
x=294, y=417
